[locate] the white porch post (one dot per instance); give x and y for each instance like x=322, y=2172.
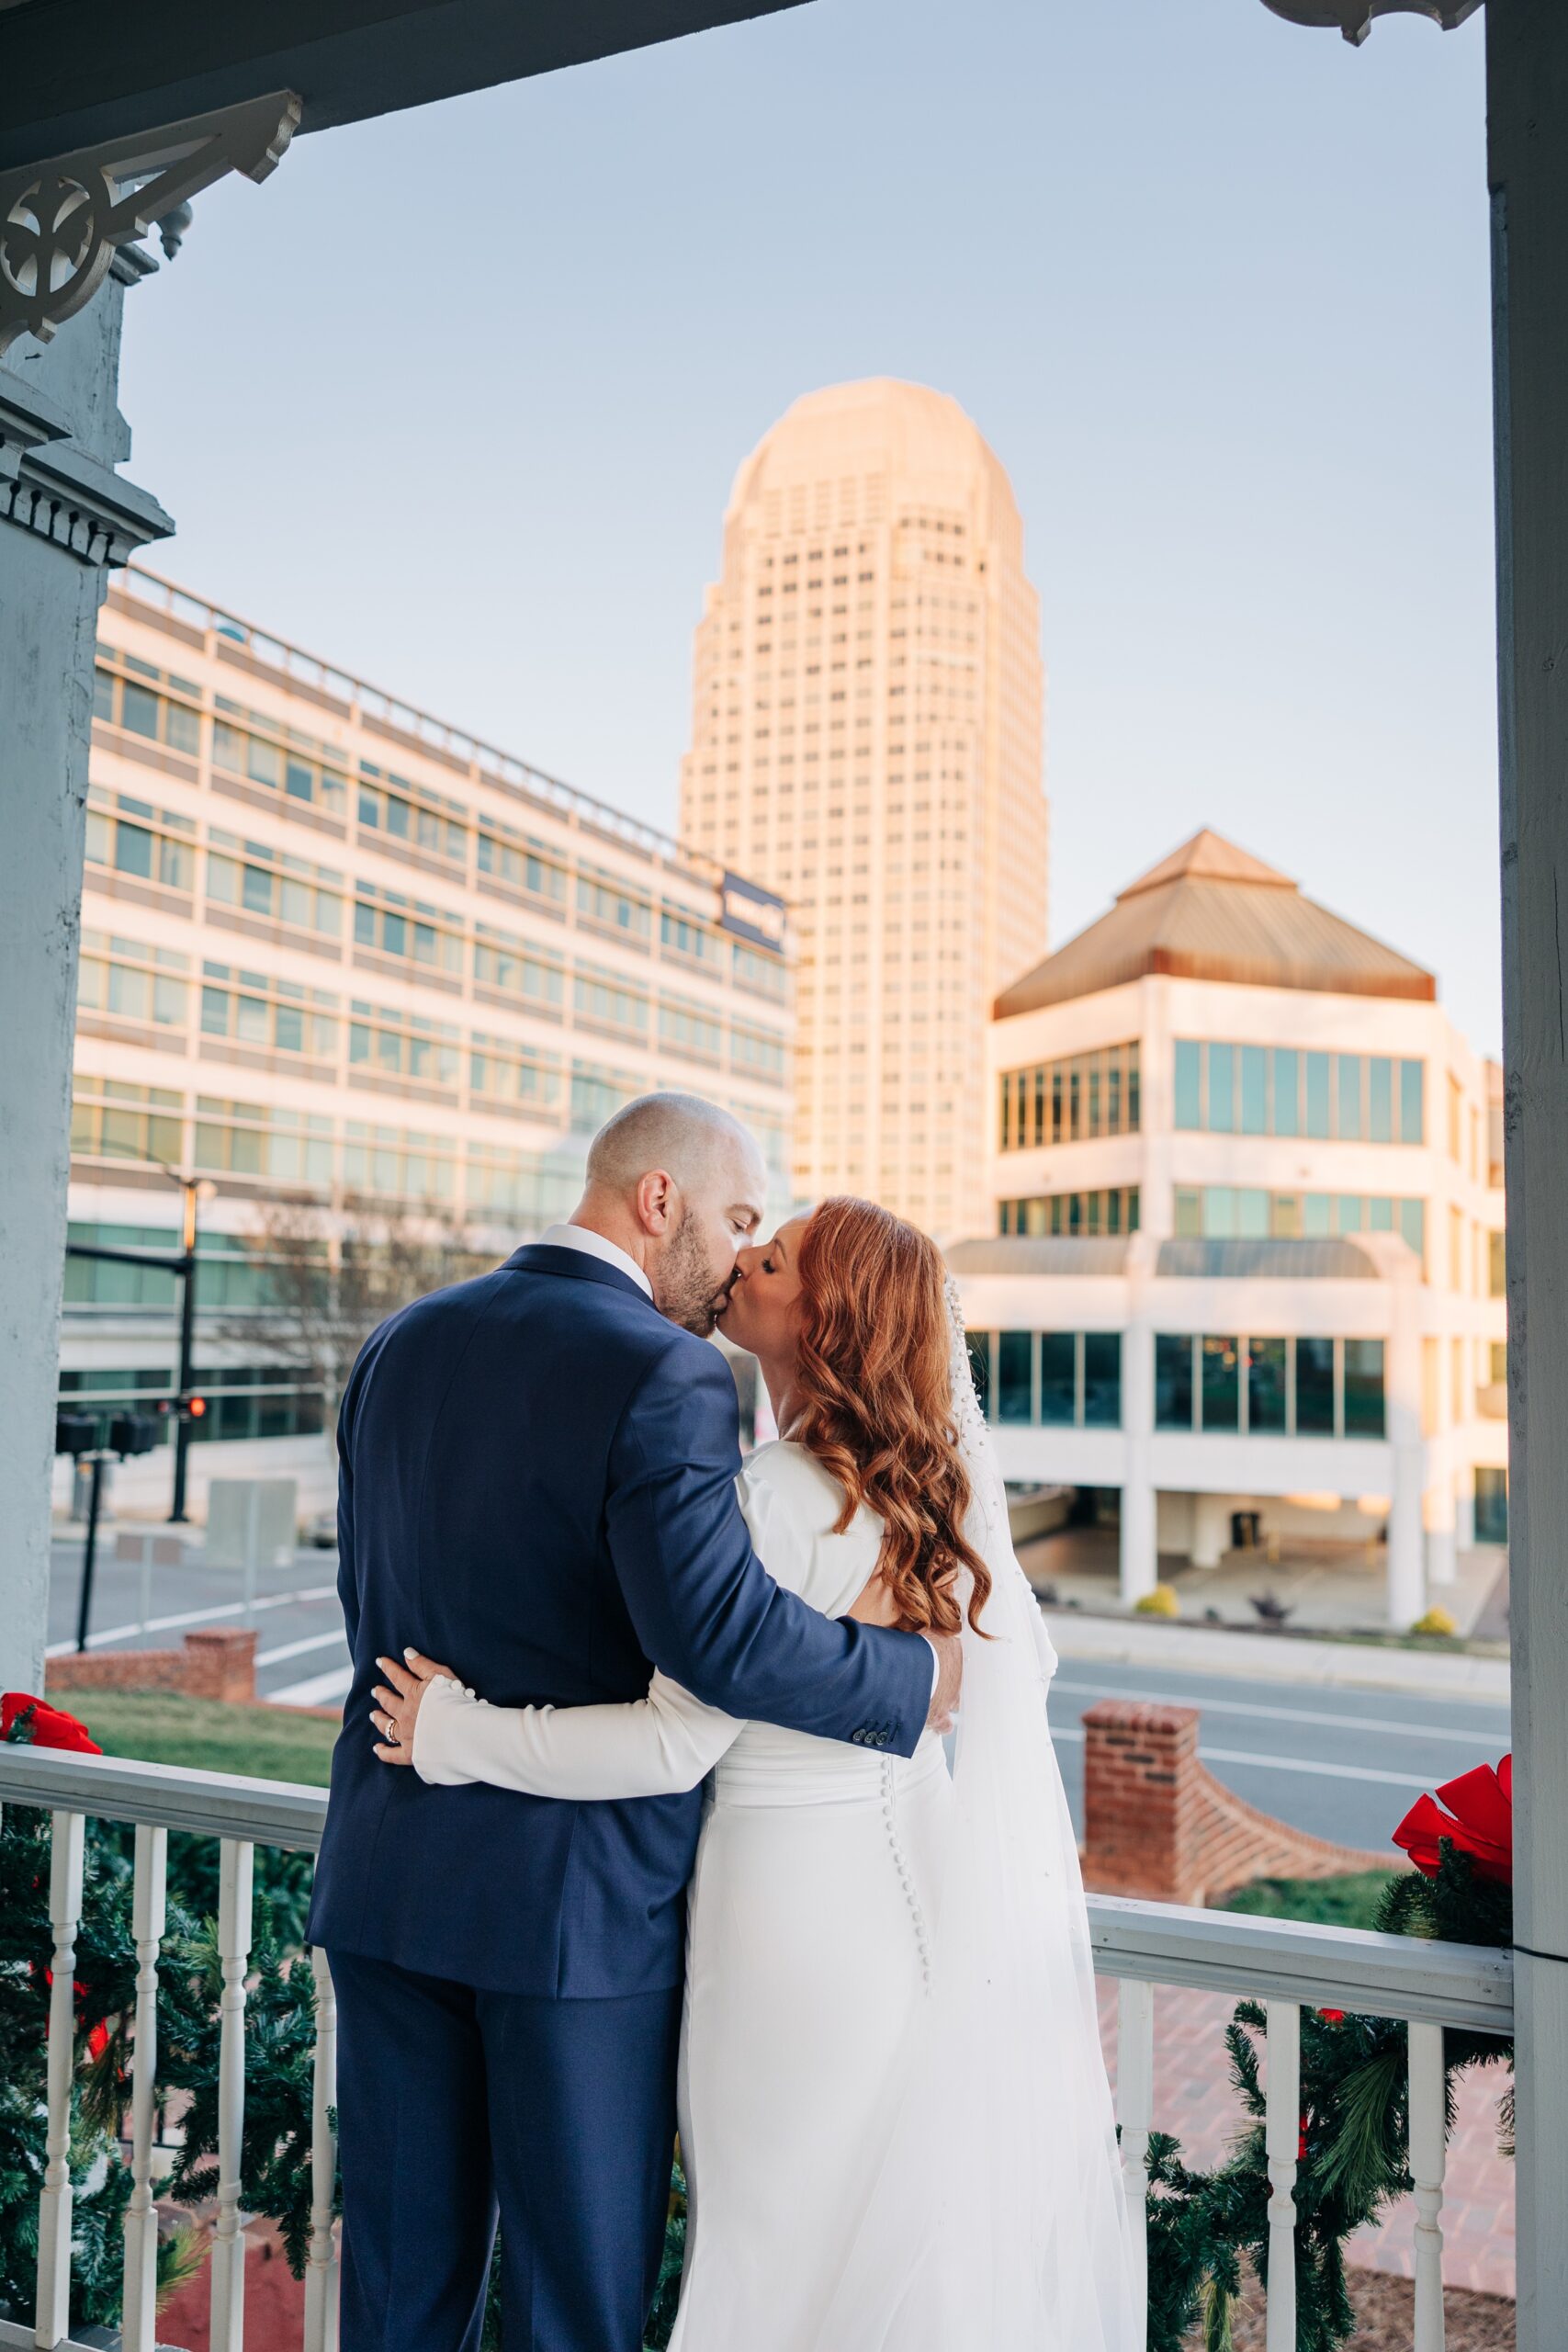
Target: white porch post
x=64, y=518
x=1526, y=76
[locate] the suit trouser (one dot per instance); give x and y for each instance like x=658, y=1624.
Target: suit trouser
x=455, y=2104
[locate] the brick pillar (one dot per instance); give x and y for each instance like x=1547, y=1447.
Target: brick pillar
x=1141, y=1774
x=221, y=1663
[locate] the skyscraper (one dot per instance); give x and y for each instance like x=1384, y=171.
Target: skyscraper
x=867, y=741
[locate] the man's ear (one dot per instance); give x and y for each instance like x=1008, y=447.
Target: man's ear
x=655, y=1199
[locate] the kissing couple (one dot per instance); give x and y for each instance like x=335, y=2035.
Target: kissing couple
x=642, y=1810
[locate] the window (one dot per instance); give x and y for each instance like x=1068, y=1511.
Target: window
x=526, y=1187
x=681, y=933
x=396, y=1164
x=1188, y=1085
x=1092, y=1215
x=403, y=1045
x=506, y=965
x=1221, y=1074
x=251, y=1139
x=1379, y=1099
x=411, y=812
x=690, y=1029
x=407, y=927
x=1267, y=1397
x=1075, y=1101
x=279, y=1015
x=1491, y=1505
x=1315, y=1387
x=259, y=880
x=1287, y=1091
x=1317, y=1095
x=762, y=973
x=1050, y=1379
x=1015, y=1375
x=1058, y=1379
x=608, y=907
x=113, y=1120
x=1412, y=1109
x=1227, y=1213
x=1254, y=1090
x=505, y=1071
x=100, y=1282
x=133, y=982
x=1496, y=1266
x=597, y=1094
x=1363, y=1411
x=606, y=1001
x=131, y=837
x=515, y=859
x=1173, y=1380
x=292, y=765
x=173, y=717
x=1220, y=1369
x=757, y=1052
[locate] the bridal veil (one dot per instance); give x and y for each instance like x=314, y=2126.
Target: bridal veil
x=997, y=2223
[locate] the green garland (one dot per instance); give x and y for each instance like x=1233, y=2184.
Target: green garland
x=1354, y=2139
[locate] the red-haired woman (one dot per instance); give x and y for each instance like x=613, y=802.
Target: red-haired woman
x=895, y=2120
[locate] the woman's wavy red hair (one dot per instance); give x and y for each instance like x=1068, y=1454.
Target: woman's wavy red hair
x=875, y=1393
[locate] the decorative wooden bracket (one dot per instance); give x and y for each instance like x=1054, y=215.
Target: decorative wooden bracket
x=1354, y=17
x=61, y=222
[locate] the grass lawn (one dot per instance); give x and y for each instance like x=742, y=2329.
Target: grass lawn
x=165, y=1727
x=1349, y=1902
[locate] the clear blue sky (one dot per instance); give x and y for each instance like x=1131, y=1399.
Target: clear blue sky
x=456, y=399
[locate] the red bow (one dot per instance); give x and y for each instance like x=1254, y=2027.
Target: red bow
x=1479, y=1822
x=45, y=1726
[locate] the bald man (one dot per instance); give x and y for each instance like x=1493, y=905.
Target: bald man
x=536, y=1484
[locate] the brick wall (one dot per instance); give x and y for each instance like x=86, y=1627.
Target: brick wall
x=1158, y=1825
x=217, y=1663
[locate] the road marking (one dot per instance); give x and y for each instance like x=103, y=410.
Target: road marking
x=319, y=1691
x=194, y=1617
x=1290, y=1715
x=1300, y=1764
x=298, y=1649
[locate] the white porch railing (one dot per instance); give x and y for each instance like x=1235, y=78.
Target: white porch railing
x=1285, y=1965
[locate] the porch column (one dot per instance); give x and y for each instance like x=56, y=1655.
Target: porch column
x=65, y=519
x=1442, y=1560
x=1526, y=78
x=1211, y=1529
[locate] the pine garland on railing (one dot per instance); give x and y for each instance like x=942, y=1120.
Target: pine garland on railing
x=1354, y=2149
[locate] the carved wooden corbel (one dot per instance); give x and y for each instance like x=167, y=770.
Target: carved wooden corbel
x=61, y=222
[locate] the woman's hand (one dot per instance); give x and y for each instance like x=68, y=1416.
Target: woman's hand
x=396, y=1711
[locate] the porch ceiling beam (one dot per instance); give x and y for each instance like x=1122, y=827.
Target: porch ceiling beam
x=75, y=73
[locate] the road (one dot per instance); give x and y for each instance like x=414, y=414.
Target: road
x=1343, y=1764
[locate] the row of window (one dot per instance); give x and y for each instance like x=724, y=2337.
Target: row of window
x=1113, y=1209
x=129, y=836
x=1049, y=1379
x=242, y=1400
x=1074, y=1100
x=133, y=982
x=1233, y=1212
x=1280, y=1091
x=1269, y=1387
x=114, y=1119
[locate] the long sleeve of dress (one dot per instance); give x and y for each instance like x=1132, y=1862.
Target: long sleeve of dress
x=652, y=1747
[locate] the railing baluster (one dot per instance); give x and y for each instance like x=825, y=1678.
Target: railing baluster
x=1428, y=2155
x=1281, y=2134
x=320, y=2276
x=1134, y=2112
x=148, y=1911
x=68, y=1832
x=229, y=2242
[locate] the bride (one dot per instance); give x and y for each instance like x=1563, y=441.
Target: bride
x=895, y=2117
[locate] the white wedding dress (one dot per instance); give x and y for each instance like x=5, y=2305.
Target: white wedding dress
x=895, y=2124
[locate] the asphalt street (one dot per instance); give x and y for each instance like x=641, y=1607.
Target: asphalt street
x=1343, y=1764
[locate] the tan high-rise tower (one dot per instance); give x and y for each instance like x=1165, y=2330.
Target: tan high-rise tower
x=867, y=739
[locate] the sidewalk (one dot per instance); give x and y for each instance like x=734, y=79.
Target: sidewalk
x=1277, y=1658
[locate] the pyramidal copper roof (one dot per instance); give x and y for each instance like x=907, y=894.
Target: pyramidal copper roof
x=1212, y=912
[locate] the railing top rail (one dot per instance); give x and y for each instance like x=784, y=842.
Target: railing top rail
x=1161, y=1943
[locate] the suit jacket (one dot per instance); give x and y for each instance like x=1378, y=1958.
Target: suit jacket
x=536, y=1488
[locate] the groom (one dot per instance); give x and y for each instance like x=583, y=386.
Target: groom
x=538, y=1484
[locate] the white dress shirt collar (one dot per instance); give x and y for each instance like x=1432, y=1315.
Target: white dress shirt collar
x=595, y=1245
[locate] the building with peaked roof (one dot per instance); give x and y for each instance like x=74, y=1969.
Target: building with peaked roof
x=1246, y=1263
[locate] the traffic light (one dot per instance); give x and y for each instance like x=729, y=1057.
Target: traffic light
x=196, y=1408
x=132, y=1433
x=75, y=1434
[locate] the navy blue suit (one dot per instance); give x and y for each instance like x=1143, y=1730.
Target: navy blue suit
x=538, y=1487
